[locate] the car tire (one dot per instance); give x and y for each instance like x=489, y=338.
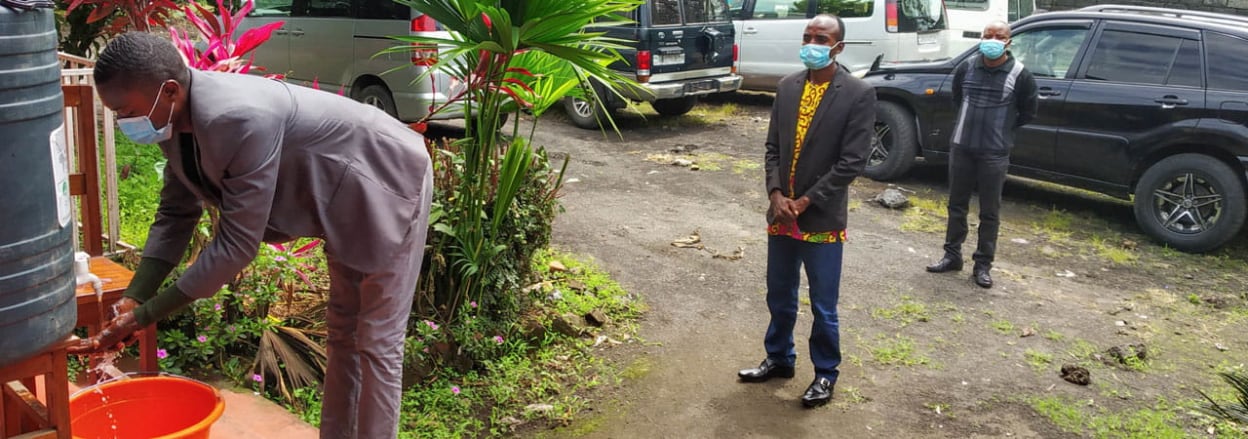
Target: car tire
x=895, y=144
x=675, y=107
x=1191, y=202
x=584, y=114
x=378, y=96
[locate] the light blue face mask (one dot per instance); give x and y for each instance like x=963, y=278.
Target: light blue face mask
x=140, y=128
x=816, y=56
x=992, y=49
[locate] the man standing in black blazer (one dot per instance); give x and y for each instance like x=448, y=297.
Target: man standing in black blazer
x=817, y=142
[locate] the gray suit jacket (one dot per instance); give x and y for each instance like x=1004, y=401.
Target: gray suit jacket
x=282, y=161
x=834, y=152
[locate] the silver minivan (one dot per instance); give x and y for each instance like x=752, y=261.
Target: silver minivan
x=769, y=34
x=333, y=42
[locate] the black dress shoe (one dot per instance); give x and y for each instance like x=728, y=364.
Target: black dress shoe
x=945, y=264
x=982, y=278
x=768, y=369
x=819, y=393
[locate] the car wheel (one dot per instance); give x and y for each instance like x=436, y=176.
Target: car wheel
x=1192, y=202
x=675, y=107
x=895, y=144
x=378, y=96
x=583, y=113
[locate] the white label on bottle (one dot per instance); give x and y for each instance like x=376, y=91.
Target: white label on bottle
x=60, y=175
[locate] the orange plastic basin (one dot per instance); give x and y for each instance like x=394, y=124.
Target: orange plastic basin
x=156, y=407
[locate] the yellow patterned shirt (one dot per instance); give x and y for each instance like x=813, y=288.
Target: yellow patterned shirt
x=812, y=95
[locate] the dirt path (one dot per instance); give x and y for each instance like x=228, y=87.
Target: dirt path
x=925, y=355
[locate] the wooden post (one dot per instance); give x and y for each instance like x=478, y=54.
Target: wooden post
x=82, y=99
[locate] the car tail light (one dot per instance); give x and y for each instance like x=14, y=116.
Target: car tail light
x=736, y=56
x=890, y=15
x=422, y=55
x=644, y=61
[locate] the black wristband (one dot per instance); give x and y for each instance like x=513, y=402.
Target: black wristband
x=166, y=303
x=147, y=279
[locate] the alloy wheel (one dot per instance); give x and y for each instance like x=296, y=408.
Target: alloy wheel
x=879, y=148
x=1188, y=204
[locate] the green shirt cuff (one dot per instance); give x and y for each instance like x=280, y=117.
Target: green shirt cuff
x=147, y=279
x=166, y=303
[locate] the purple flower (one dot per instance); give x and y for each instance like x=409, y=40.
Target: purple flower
x=202, y=339
x=230, y=328
x=498, y=339
x=432, y=325
x=279, y=258
x=455, y=389
x=426, y=350
x=217, y=307
x=257, y=378
x=472, y=304
x=162, y=354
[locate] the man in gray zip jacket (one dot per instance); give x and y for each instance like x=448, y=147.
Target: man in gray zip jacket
x=280, y=162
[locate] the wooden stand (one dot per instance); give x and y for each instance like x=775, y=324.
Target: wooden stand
x=116, y=278
x=22, y=416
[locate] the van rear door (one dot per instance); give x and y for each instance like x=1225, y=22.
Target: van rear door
x=688, y=39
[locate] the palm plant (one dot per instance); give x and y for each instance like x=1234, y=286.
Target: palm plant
x=506, y=56
x=1235, y=411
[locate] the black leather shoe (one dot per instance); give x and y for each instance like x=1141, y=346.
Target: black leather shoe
x=766, y=370
x=945, y=264
x=982, y=278
x=819, y=393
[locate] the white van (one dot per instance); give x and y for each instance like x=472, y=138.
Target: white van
x=967, y=18
x=769, y=34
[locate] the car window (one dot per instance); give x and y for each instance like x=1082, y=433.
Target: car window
x=968, y=5
x=1132, y=57
x=382, y=10
x=706, y=11
x=271, y=8
x=1232, y=55
x=780, y=9
x=845, y=8
x=920, y=15
x=1185, y=70
x=1050, y=52
x=665, y=12
x=328, y=8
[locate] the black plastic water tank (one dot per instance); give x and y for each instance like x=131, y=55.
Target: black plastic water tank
x=37, y=306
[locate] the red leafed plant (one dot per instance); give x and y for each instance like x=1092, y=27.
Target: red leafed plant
x=223, y=53
x=140, y=15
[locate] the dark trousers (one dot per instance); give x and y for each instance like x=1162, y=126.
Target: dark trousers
x=785, y=258
x=984, y=174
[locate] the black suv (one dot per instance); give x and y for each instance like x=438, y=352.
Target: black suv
x=1145, y=104
x=680, y=50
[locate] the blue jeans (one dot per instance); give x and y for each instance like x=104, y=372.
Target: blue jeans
x=785, y=258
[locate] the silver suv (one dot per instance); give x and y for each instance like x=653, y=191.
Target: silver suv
x=333, y=42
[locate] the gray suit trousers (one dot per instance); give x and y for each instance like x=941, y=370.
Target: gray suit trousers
x=367, y=322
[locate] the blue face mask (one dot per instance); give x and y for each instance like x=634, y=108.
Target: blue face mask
x=140, y=128
x=992, y=49
x=816, y=56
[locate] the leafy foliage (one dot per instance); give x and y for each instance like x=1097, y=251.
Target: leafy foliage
x=222, y=53
x=1235, y=411
x=139, y=15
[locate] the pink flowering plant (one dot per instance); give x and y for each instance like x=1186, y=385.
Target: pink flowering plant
x=222, y=52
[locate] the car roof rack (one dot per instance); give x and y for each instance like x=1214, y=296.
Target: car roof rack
x=1174, y=13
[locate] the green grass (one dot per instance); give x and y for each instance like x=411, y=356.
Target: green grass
x=1054, y=335
x=1039, y=361
x=907, y=312
x=1082, y=350
x=1003, y=326
x=555, y=371
x=1114, y=253
x=958, y=318
x=1160, y=422
x=900, y=351
x=138, y=193
x=742, y=166
x=925, y=215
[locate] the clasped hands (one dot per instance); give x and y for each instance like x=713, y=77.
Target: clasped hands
x=785, y=209
x=116, y=335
